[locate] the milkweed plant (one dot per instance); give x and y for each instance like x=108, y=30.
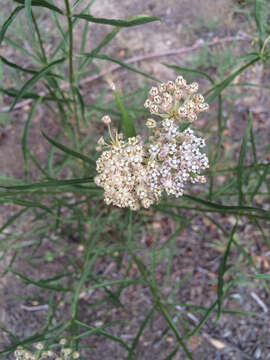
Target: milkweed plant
x=96, y=206
x=135, y=173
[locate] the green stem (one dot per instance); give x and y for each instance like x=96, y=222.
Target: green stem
x=71, y=68
x=44, y=58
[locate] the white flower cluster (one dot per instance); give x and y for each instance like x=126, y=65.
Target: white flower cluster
x=175, y=159
x=40, y=353
x=135, y=174
x=122, y=172
x=176, y=100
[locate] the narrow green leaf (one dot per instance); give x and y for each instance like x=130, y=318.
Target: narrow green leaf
x=12, y=219
x=203, y=320
x=139, y=333
x=259, y=183
x=51, y=183
x=42, y=3
x=222, y=270
x=174, y=328
x=38, y=283
x=20, y=68
x=28, y=12
x=99, y=330
x=258, y=8
x=8, y=22
x=260, y=276
x=127, y=66
x=29, y=204
x=25, y=135
x=69, y=151
x=173, y=353
x=1, y=68
x=180, y=69
x=133, y=21
x=217, y=89
x=28, y=95
x=223, y=207
x=81, y=102
x=241, y=161
x=33, y=80
x=127, y=122
x=100, y=46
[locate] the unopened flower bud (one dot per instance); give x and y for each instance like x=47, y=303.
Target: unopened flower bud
x=151, y=123
x=180, y=82
x=192, y=88
x=147, y=104
x=170, y=86
x=101, y=141
x=192, y=117
x=154, y=91
x=178, y=94
x=76, y=355
x=203, y=107
x=162, y=87
x=106, y=119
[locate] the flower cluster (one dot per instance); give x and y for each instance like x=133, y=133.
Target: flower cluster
x=122, y=171
x=135, y=174
x=175, y=159
x=176, y=100
x=66, y=353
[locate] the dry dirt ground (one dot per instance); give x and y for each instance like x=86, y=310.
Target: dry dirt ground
x=235, y=337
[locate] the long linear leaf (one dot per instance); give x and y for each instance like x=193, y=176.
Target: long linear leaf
x=20, y=68
x=29, y=204
x=127, y=66
x=133, y=21
x=42, y=3
x=25, y=135
x=46, y=184
x=34, y=79
x=260, y=276
x=100, y=46
x=127, y=122
x=225, y=207
x=28, y=95
x=8, y=22
x=69, y=151
x=174, y=329
x=140, y=331
x=222, y=270
x=39, y=283
x=180, y=69
x=258, y=19
x=241, y=161
x=12, y=219
x=28, y=12
x=217, y=89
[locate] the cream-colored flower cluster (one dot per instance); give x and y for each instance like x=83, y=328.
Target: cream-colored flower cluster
x=122, y=171
x=135, y=174
x=176, y=100
x=66, y=353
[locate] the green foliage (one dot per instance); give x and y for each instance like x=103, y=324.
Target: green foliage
x=63, y=201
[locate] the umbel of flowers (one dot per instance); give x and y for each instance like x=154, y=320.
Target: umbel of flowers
x=135, y=174
x=40, y=352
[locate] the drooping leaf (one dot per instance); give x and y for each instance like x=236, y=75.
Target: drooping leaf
x=69, y=151
x=31, y=82
x=133, y=21
x=8, y=22
x=42, y=3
